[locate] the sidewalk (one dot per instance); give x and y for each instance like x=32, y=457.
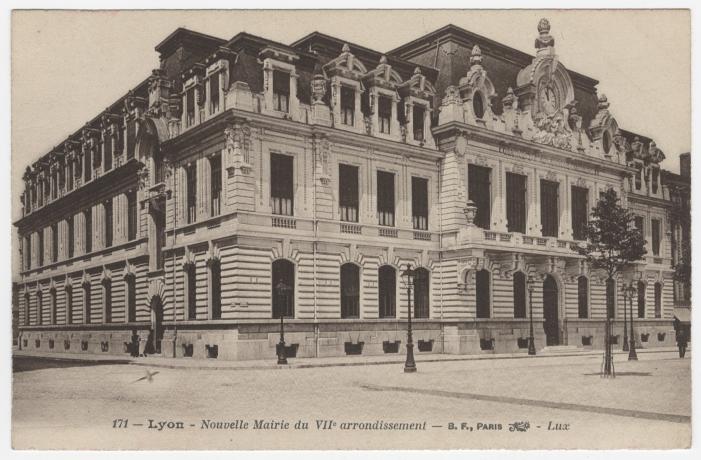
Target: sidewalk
x=301, y=363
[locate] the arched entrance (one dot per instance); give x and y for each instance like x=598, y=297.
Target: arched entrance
x=550, y=311
x=156, y=334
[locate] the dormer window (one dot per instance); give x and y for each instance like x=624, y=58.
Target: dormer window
x=214, y=93
x=478, y=104
x=347, y=105
x=655, y=179
x=384, y=111
x=639, y=177
x=281, y=91
x=418, y=122
x=190, y=104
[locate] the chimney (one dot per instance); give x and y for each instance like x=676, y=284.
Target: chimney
x=685, y=165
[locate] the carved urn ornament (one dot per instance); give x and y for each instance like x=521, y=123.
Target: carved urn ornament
x=544, y=40
x=470, y=212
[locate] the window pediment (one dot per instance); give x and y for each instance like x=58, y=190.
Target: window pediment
x=346, y=65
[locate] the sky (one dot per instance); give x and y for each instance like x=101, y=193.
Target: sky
x=68, y=66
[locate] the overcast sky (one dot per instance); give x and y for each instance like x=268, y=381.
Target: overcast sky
x=69, y=66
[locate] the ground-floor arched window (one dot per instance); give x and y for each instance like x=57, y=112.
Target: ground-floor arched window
x=350, y=291
x=483, y=293
x=641, y=299
x=387, y=290
x=40, y=307
x=283, y=289
x=26, y=309
x=583, y=296
x=190, y=275
x=87, y=299
x=214, y=275
x=107, y=301
x=658, y=300
x=422, y=278
x=130, y=286
x=519, y=295
x=52, y=306
x=69, y=305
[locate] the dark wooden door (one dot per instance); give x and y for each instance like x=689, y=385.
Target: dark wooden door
x=550, y=311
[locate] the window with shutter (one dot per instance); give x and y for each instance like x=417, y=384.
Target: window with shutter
x=516, y=202
x=282, y=184
x=479, y=192
x=419, y=203
x=580, y=210
x=385, y=198
x=549, y=209
x=348, y=192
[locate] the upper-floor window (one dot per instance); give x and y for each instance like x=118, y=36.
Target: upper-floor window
x=385, y=198
x=87, y=164
x=638, y=176
x=54, y=243
x=281, y=184
x=281, y=91
x=384, y=114
x=191, y=173
x=419, y=113
x=549, y=207
x=109, y=223
x=580, y=208
x=655, y=179
x=107, y=149
x=214, y=93
x=583, y=296
x=419, y=203
x=40, y=249
x=88, y=229
x=71, y=236
x=190, y=107
x=132, y=215
x=215, y=184
x=27, y=252
x=69, y=177
x=655, y=228
x=515, y=202
x=640, y=224
x=347, y=105
x=479, y=187
x=348, y=192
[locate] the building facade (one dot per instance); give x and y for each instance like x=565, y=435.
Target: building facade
x=247, y=183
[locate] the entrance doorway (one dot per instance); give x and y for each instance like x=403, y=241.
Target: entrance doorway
x=550, y=311
x=156, y=334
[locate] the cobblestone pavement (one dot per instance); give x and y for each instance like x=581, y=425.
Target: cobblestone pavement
x=74, y=405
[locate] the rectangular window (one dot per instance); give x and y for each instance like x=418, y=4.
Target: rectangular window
x=347, y=105
x=348, y=192
x=88, y=230
x=479, y=192
x=54, y=243
x=215, y=289
x=28, y=252
x=214, y=93
x=69, y=177
x=71, y=237
x=281, y=91
x=109, y=223
x=190, y=104
x=69, y=305
x=418, y=122
x=41, y=247
x=549, y=207
x=191, y=172
x=107, y=149
x=54, y=186
x=132, y=213
x=87, y=163
x=384, y=113
x=419, y=203
x=640, y=224
x=191, y=286
x=131, y=138
x=655, y=179
x=638, y=176
x=655, y=226
x=516, y=202
x=282, y=184
x=580, y=208
x=385, y=198
x=215, y=183
x=131, y=298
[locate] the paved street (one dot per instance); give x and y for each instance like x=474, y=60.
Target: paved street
x=74, y=405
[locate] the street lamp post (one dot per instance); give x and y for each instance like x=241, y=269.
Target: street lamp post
x=625, y=325
x=282, y=290
x=531, y=344
x=409, y=365
x=632, y=355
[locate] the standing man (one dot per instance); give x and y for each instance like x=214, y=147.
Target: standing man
x=681, y=341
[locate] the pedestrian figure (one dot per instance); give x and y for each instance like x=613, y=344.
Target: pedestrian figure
x=682, y=342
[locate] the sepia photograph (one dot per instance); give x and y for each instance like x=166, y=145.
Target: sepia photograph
x=350, y=229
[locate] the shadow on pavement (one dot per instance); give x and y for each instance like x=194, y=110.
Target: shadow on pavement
x=33, y=363
x=626, y=374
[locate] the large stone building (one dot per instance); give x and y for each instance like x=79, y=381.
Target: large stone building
x=245, y=180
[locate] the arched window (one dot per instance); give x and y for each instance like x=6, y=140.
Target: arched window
x=283, y=289
x=641, y=299
x=190, y=274
x=482, y=293
x=387, y=291
x=422, y=278
x=214, y=278
x=519, y=295
x=350, y=291
x=107, y=301
x=40, y=307
x=583, y=296
x=658, y=300
x=130, y=286
x=87, y=300
x=52, y=306
x=69, y=305
x=611, y=297
x=478, y=104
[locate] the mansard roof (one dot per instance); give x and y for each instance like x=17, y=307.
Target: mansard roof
x=182, y=35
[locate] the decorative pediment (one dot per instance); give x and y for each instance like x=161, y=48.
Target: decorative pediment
x=106, y=276
x=213, y=255
x=345, y=65
x=278, y=54
x=383, y=76
x=129, y=270
x=85, y=279
x=417, y=86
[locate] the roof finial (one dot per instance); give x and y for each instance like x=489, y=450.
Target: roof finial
x=476, y=56
x=346, y=48
x=383, y=59
x=417, y=71
x=545, y=39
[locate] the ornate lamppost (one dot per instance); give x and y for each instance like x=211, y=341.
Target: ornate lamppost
x=408, y=277
x=282, y=290
x=632, y=355
x=531, y=343
x=625, y=314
